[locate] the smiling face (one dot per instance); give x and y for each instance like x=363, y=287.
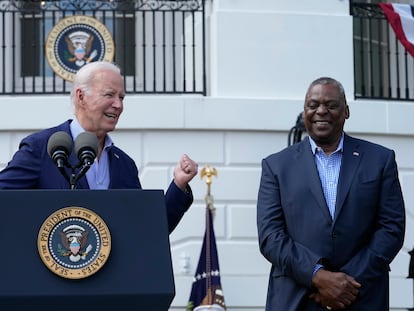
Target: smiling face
x=325, y=112
x=100, y=104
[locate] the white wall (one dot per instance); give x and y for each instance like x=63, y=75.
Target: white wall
x=263, y=56
x=271, y=48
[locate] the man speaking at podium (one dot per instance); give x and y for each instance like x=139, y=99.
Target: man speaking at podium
x=97, y=95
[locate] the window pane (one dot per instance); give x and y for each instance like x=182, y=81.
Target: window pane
x=125, y=44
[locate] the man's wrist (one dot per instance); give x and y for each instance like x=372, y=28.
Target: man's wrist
x=317, y=267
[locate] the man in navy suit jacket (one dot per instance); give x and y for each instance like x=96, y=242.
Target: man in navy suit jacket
x=97, y=95
x=330, y=214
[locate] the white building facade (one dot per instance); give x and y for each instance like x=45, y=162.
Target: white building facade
x=261, y=57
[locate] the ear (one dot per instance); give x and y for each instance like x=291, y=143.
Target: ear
x=80, y=96
x=347, y=112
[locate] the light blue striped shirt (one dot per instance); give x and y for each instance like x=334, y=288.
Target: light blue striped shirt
x=98, y=173
x=328, y=168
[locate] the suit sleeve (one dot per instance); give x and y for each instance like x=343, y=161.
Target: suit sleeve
x=388, y=236
x=23, y=170
x=289, y=258
x=177, y=203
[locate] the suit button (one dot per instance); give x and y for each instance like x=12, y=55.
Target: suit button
x=333, y=235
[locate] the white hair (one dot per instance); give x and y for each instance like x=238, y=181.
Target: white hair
x=86, y=73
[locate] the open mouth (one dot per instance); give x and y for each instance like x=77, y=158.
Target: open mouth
x=322, y=123
x=111, y=115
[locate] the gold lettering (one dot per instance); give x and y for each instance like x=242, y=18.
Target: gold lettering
x=44, y=237
x=58, y=269
x=86, y=215
x=103, y=232
x=44, y=249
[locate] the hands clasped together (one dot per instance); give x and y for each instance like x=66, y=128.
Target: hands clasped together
x=336, y=290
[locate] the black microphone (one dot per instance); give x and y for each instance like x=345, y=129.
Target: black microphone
x=86, y=148
x=59, y=148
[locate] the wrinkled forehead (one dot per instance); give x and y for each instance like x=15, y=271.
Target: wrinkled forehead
x=107, y=79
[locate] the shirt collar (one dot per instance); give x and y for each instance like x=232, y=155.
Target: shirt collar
x=76, y=129
x=314, y=146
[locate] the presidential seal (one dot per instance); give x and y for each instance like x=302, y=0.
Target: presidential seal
x=74, y=242
x=75, y=41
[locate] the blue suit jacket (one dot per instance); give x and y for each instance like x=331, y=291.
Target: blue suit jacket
x=32, y=168
x=296, y=230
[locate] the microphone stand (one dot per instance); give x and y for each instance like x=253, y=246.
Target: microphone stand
x=63, y=172
x=74, y=178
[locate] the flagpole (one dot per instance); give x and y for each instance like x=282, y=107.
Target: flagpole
x=206, y=293
x=208, y=172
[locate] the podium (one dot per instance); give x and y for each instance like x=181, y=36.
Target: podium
x=137, y=274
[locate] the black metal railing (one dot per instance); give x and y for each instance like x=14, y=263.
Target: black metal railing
x=158, y=44
x=382, y=67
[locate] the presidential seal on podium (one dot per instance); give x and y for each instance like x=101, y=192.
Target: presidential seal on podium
x=74, y=242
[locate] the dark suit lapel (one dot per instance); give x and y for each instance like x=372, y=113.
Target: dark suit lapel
x=310, y=170
x=351, y=158
x=113, y=159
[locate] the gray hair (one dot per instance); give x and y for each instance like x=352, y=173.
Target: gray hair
x=86, y=73
x=327, y=80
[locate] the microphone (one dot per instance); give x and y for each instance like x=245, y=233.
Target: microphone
x=86, y=148
x=59, y=148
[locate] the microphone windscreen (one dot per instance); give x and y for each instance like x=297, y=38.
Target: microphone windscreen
x=86, y=141
x=58, y=141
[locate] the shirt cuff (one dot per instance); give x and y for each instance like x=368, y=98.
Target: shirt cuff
x=317, y=267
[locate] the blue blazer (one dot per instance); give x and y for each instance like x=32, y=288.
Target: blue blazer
x=32, y=168
x=296, y=230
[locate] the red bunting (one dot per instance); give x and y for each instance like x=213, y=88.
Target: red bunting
x=401, y=19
